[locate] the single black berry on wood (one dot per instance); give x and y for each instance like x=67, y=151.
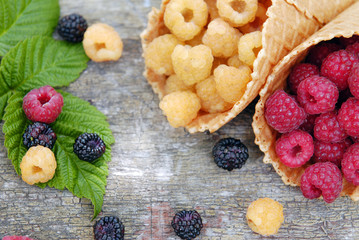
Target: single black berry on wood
x=109, y=228
x=72, y=28
x=187, y=224
x=230, y=153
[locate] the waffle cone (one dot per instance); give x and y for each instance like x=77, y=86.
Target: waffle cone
x=319, y=9
x=285, y=28
x=346, y=25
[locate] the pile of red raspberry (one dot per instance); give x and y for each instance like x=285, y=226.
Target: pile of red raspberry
x=319, y=119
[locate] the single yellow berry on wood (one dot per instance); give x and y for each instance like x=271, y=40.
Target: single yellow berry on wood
x=38, y=165
x=264, y=216
x=102, y=43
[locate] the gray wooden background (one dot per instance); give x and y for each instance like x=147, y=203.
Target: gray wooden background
x=157, y=170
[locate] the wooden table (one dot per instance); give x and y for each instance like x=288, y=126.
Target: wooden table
x=157, y=170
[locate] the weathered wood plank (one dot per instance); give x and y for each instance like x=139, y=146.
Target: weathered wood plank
x=157, y=170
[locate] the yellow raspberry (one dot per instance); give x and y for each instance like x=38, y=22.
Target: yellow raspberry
x=180, y=107
x=237, y=12
x=38, y=165
x=174, y=84
x=212, y=9
x=257, y=24
x=197, y=40
x=158, y=54
x=102, y=43
x=234, y=61
x=211, y=102
x=264, y=216
x=231, y=82
x=186, y=18
x=248, y=47
x=192, y=64
x=221, y=38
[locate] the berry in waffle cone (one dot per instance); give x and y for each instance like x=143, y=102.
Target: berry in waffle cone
x=332, y=131
x=235, y=37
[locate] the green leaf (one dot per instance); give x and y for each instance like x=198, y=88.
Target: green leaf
x=40, y=61
x=15, y=124
x=3, y=102
x=4, y=96
x=83, y=179
x=20, y=19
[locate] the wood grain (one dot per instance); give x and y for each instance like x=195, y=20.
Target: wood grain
x=157, y=170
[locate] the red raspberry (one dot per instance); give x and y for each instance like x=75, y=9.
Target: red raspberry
x=320, y=51
x=353, y=48
x=349, y=41
x=353, y=80
x=299, y=73
x=348, y=117
x=323, y=178
x=330, y=152
x=317, y=95
x=327, y=128
x=350, y=164
x=283, y=113
x=336, y=67
x=308, y=124
x=43, y=104
x=294, y=149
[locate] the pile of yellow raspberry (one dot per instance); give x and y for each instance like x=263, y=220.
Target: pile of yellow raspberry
x=206, y=55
